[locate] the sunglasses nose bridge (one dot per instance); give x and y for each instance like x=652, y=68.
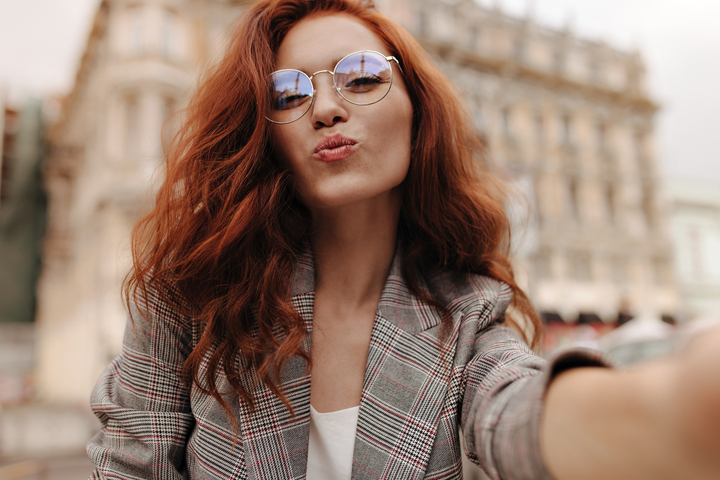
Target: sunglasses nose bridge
x=332, y=74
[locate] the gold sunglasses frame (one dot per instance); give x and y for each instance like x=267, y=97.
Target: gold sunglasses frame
x=387, y=58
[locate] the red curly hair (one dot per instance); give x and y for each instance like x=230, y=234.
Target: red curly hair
x=226, y=226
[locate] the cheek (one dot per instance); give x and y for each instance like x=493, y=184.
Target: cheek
x=396, y=128
x=282, y=147
x=400, y=119
x=285, y=148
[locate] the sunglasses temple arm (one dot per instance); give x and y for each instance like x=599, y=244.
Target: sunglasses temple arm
x=396, y=61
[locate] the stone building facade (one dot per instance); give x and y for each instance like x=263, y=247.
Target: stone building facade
x=695, y=221
x=8, y=130
x=141, y=59
x=569, y=122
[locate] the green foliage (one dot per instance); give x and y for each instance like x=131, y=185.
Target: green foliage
x=22, y=219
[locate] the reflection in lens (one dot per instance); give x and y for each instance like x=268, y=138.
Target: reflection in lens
x=363, y=77
x=290, y=95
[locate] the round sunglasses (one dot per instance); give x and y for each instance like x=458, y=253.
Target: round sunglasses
x=361, y=78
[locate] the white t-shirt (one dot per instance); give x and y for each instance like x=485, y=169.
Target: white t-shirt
x=332, y=440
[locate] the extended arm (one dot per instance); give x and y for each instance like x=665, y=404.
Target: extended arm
x=503, y=403
x=660, y=420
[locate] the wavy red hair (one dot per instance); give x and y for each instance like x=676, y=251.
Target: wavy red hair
x=220, y=243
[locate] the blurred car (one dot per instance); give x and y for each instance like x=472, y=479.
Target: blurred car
x=648, y=337
x=638, y=340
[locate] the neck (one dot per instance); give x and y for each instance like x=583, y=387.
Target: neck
x=354, y=248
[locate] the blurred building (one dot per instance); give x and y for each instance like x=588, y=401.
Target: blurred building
x=22, y=208
x=696, y=233
x=8, y=127
x=141, y=59
x=22, y=217
x=569, y=122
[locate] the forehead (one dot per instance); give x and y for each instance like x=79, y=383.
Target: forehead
x=317, y=43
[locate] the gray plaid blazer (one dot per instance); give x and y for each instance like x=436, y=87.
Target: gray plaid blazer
x=417, y=392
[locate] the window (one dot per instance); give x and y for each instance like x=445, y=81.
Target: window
x=169, y=123
x=539, y=129
x=479, y=118
x=566, y=129
x=661, y=271
x=423, y=25
x=601, y=136
x=595, y=71
x=540, y=202
x=8, y=133
x=506, y=122
x=473, y=35
x=168, y=34
x=696, y=248
x=519, y=48
x=633, y=75
x=619, y=272
x=559, y=59
x=543, y=265
x=573, y=197
x=132, y=126
x=610, y=203
x=648, y=207
x=580, y=268
x=639, y=140
x=137, y=42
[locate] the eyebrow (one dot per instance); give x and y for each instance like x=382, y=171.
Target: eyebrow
x=337, y=59
x=333, y=63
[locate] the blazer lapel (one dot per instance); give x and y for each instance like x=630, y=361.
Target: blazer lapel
x=405, y=386
x=404, y=389
x=276, y=443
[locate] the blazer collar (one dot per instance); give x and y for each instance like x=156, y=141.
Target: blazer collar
x=404, y=388
x=398, y=305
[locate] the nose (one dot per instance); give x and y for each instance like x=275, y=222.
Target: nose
x=328, y=106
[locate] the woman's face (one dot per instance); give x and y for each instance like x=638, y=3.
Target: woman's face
x=380, y=133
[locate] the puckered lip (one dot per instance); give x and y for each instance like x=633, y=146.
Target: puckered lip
x=335, y=140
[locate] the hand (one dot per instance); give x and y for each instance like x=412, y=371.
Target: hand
x=659, y=420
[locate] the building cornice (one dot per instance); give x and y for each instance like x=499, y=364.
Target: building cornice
x=510, y=68
x=86, y=64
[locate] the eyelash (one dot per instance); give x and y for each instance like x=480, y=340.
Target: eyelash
x=374, y=78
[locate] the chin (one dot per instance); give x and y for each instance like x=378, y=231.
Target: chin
x=325, y=203
x=347, y=198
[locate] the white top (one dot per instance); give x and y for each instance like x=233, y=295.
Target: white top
x=332, y=440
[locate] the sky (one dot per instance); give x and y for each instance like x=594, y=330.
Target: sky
x=41, y=42
x=680, y=42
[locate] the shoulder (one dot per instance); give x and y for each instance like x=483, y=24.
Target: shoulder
x=161, y=308
x=471, y=294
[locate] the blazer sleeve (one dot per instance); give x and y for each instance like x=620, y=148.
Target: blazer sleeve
x=505, y=385
x=141, y=401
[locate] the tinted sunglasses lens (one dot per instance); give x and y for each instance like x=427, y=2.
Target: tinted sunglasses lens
x=290, y=96
x=364, y=77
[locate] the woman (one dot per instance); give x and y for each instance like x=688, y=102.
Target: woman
x=321, y=288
